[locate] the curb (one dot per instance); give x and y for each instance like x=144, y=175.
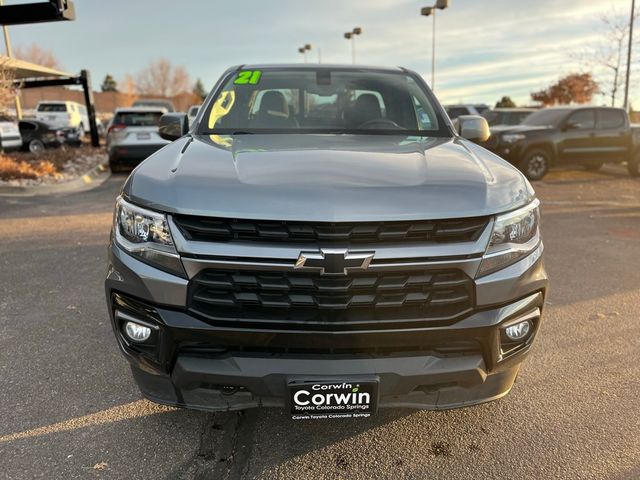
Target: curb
x=92, y=179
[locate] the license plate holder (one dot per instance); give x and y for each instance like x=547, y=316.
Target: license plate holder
x=321, y=399
x=143, y=136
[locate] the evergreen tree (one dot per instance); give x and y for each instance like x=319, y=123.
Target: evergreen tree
x=198, y=90
x=109, y=84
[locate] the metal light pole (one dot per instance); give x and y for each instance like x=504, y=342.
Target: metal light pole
x=352, y=36
x=431, y=11
x=626, y=85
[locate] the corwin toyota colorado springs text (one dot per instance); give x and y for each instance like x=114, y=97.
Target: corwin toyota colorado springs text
x=322, y=237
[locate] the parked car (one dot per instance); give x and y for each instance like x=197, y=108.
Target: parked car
x=70, y=136
x=38, y=136
x=154, y=103
x=192, y=112
x=63, y=114
x=330, y=257
x=454, y=111
x=481, y=107
x=133, y=135
x=589, y=136
x=10, y=138
x=506, y=116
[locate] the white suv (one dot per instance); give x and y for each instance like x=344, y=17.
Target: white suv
x=133, y=135
x=60, y=114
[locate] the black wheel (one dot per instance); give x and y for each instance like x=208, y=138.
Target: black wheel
x=633, y=165
x=592, y=167
x=36, y=146
x=535, y=164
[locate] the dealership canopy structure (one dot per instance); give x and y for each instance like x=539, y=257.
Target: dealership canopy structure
x=30, y=75
x=37, y=12
x=22, y=69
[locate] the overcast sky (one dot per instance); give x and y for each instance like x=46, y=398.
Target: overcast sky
x=485, y=48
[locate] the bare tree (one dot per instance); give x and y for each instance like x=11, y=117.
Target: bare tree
x=163, y=79
x=608, y=54
x=128, y=89
x=7, y=88
x=38, y=55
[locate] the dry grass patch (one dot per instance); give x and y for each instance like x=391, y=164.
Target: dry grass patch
x=11, y=169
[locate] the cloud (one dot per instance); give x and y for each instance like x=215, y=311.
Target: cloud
x=485, y=48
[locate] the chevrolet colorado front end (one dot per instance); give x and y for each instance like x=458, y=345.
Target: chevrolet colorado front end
x=322, y=239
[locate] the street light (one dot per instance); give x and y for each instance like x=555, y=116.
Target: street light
x=304, y=50
x=352, y=36
x=626, y=84
x=427, y=11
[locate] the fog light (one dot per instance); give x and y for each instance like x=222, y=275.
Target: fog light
x=518, y=331
x=137, y=332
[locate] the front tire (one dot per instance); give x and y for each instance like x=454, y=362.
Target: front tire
x=535, y=164
x=633, y=165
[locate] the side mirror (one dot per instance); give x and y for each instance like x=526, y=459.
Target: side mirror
x=571, y=126
x=173, y=126
x=473, y=127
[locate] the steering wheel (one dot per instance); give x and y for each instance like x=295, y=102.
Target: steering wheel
x=379, y=123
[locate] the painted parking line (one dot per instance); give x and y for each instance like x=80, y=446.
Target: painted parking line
x=138, y=409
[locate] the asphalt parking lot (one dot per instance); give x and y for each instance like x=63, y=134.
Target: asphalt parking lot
x=70, y=409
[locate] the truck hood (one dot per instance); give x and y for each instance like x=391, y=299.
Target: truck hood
x=328, y=178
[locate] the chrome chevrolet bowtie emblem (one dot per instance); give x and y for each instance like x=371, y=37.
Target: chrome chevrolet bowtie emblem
x=331, y=261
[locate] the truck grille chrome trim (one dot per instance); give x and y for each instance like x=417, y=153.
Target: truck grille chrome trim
x=211, y=229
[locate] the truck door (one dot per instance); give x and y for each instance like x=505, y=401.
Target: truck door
x=613, y=135
x=577, y=138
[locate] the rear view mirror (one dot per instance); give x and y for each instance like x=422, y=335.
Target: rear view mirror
x=473, y=127
x=173, y=126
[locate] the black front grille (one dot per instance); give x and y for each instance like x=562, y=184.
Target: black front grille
x=211, y=229
x=357, y=301
x=440, y=348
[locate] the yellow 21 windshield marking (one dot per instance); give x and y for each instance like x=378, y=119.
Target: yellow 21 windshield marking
x=248, y=77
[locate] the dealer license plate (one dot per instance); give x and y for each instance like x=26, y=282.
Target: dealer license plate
x=311, y=399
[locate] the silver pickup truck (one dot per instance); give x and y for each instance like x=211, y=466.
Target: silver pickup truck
x=322, y=239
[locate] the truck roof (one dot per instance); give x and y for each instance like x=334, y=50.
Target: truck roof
x=316, y=66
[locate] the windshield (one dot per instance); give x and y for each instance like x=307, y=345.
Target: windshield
x=546, y=117
x=52, y=107
x=322, y=100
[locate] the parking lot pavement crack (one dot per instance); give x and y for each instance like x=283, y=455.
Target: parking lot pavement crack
x=225, y=447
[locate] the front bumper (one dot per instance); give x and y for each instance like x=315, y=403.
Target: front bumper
x=511, y=152
x=197, y=364
x=11, y=142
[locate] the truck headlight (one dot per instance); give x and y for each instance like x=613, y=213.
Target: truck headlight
x=512, y=137
x=515, y=235
x=145, y=235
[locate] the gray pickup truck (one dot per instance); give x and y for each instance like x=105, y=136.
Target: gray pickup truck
x=587, y=136
x=322, y=239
